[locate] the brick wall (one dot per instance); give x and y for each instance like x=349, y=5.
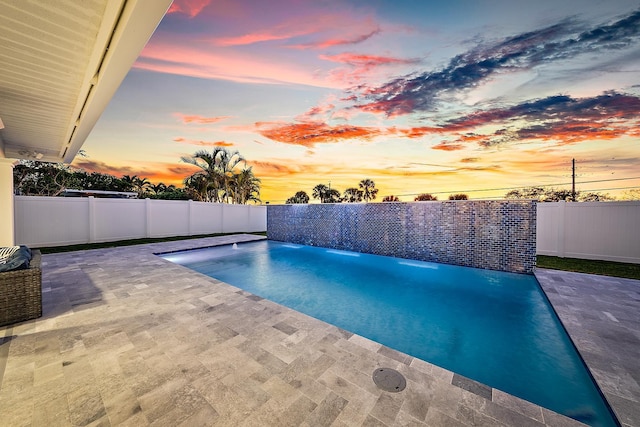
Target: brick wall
x=490, y=234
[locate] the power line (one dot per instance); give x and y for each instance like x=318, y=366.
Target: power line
x=525, y=186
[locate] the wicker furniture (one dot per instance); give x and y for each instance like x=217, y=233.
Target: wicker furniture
x=21, y=293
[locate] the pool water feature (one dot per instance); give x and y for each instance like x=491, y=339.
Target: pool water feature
x=493, y=327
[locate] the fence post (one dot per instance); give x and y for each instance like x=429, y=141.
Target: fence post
x=92, y=219
x=222, y=218
x=147, y=222
x=189, y=217
x=562, y=205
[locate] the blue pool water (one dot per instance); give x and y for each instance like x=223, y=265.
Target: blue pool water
x=494, y=327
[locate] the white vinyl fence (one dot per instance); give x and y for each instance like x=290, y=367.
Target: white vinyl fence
x=590, y=230
x=57, y=221
x=599, y=230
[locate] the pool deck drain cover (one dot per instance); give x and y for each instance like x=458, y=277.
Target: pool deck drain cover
x=389, y=380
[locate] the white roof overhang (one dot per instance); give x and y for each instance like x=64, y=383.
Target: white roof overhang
x=61, y=62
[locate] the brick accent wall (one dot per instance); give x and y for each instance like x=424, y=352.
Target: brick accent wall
x=490, y=234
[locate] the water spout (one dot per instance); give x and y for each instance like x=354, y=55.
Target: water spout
x=235, y=246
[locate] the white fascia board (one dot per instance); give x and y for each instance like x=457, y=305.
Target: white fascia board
x=134, y=25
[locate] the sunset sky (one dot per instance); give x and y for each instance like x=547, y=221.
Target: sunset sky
x=432, y=96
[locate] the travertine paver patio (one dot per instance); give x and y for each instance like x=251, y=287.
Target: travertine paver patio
x=128, y=338
x=602, y=316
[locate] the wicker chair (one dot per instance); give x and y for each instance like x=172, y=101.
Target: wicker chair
x=21, y=293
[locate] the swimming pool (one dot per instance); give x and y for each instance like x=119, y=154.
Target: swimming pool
x=496, y=328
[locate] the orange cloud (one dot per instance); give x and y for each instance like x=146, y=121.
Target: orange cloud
x=420, y=131
x=311, y=133
x=447, y=146
x=203, y=143
x=188, y=7
x=194, y=118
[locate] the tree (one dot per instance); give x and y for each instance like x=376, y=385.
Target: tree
x=245, y=187
x=458, y=197
x=352, y=195
x=157, y=188
x=425, y=197
x=299, y=198
x=593, y=197
x=326, y=194
x=554, y=195
x=369, y=189
x=197, y=187
x=32, y=178
x=128, y=182
x=140, y=185
x=633, y=194
x=391, y=198
x=222, y=181
x=333, y=196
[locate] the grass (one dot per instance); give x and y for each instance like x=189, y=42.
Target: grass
x=604, y=268
x=86, y=246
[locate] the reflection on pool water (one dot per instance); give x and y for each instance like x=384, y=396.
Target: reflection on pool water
x=494, y=327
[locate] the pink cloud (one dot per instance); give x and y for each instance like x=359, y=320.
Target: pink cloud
x=188, y=7
x=361, y=65
x=368, y=60
x=172, y=56
x=194, y=118
x=314, y=112
x=337, y=41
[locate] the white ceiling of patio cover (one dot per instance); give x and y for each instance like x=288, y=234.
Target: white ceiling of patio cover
x=61, y=61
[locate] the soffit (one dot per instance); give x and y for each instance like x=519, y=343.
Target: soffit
x=61, y=61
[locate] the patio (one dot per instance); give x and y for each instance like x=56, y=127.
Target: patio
x=128, y=338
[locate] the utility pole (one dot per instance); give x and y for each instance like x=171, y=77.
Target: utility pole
x=573, y=179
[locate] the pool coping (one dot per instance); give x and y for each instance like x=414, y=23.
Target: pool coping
x=124, y=281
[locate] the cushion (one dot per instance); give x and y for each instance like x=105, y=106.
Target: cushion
x=14, y=258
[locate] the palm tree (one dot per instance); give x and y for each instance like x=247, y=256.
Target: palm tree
x=245, y=187
x=158, y=188
x=128, y=182
x=299, y=198
x=320, y=191
x=227, y=161
x=218, y=168
x=369, y=189
x=425, y=197
x=197, y=187
x=458, y=197
x=140, y=185
x=333, y=196
x=352, y=195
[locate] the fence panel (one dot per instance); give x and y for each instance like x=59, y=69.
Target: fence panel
x=206, y=218
x=47, y=221
x=117, y=219
x=167, y=218
x=590, y=230
x=58, y=221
